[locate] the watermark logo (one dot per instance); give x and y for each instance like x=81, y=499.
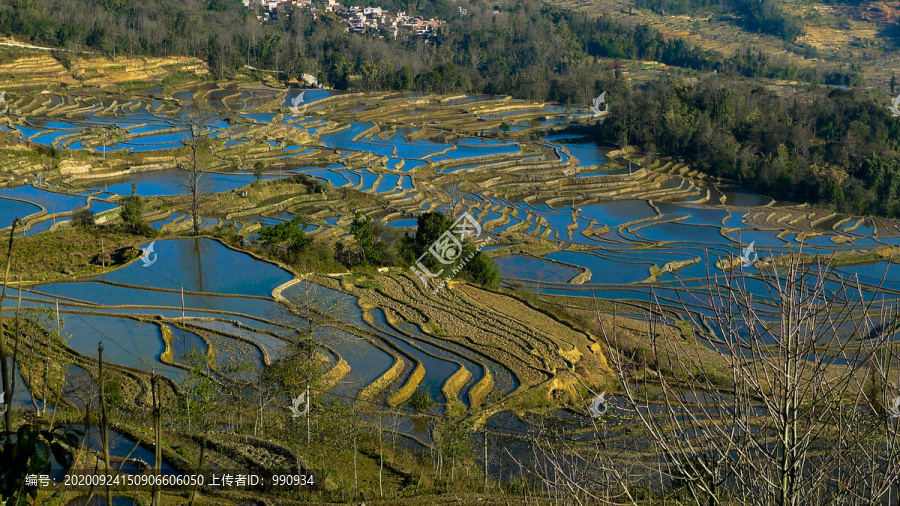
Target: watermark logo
x=895, y=106
x=599, y=406
x=296, y=410
x=149, y=257
x=749, y=256
x=298, y=106
x=894, y=410
x=447, y=250
x=595, y=105
x=5, y=105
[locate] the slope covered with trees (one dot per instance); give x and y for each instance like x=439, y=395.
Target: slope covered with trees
x=759, y=16
x=524, y=48
x=826, y=146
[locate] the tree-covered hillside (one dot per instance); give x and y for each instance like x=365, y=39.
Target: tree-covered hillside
x=826, y=146
x=524, y=48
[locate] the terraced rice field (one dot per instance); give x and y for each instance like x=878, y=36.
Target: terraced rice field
x=567, y=219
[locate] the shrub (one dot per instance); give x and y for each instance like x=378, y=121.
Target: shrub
x=227, y=232
x=258, y=169
x=421, y=401
x=312, y=184
x=47, y=151
x=133, y=208
x=83, y=218
x=141, y=229
x=290, y=232
x=481, y=270
x=113, y=392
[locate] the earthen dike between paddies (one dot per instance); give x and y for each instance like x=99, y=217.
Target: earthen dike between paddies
x=210, y=232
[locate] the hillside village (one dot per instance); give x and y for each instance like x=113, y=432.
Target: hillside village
x=363, y=20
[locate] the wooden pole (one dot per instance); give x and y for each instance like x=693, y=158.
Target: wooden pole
x=485, y=460
x=308, y=412
x=12, y=386
x=157, y=415
x=355, y=473
x=7, y=417
x=104, y=423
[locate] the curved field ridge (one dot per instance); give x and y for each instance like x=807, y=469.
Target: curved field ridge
x=535, y=346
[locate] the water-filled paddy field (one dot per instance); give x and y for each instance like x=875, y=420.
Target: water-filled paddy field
x=602, y=226
x=668, y=224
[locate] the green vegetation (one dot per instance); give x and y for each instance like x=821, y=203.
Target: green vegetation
x=29, y=453
x=288, y=242
x=764, y=16
x=132, y=208
x=374, y=245
x=431, y=226
x=830, y=147
x=377, y=245
x=112, y=390
x=481, y=269
x=131, y=214
x=258, y=169
x=312, y=185
x=421, y=401
x=83, y=218
x=363, y=230
x=72, y=251
x=481, y=53
x=851, y=77
x=760, y=16
x=288, y=232
x=677, y=7
x=133, y=85
x=837, y=148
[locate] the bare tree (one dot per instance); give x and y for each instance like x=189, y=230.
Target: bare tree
x=37, y=322
x=337, y=431
x=80, y=386
x=797, y=412
x=199, y=405
x=266, y=390
x=307, y=315
x=379, y=418
x=4, y=364
x=198, y=123
x=584, y=461
x=452, y=441
x=104, y=419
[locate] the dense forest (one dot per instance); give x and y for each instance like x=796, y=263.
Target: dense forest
x=524, y=48
x=828, y=146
